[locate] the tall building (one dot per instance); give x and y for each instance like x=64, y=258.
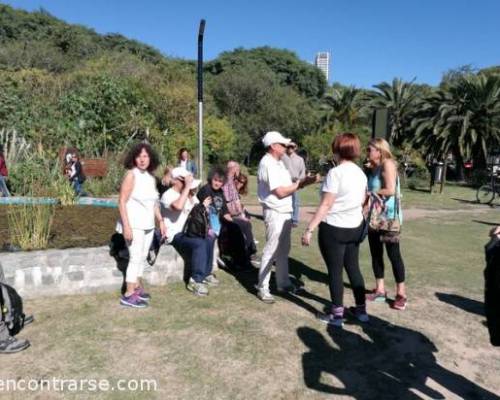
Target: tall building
x=322, y=61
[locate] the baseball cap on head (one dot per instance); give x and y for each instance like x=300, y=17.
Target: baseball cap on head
x=274, y=137
x=181, y=173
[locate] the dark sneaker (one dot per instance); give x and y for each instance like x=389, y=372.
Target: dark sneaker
x=359, y=312
x=377, y=297
x=139, y=291
x=13, y=345
x=211, y=280
x=330, y=319
x=133, y=301
x=290, y=289
x=28, y=319
x=400, y=303
x=198, y=288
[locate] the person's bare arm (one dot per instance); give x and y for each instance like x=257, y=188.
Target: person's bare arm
x=389, y=175
x=181, y=201
x=125, y=191
x=284, y=191
x=327, y=201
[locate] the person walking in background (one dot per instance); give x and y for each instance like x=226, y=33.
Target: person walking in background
x=383, y=180
x=177, y=203
x=4, y=191
x=341, y=226
x=297, y=168
x=275, y=189
x=138, y=205
x=75, y=174
x=184, y=161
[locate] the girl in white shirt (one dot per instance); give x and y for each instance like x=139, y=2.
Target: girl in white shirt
x=138, y=204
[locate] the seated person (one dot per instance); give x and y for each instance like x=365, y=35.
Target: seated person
x=217, y=211
x=177, y=202
x=240, y=243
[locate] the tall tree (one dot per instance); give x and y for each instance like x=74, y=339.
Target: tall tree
x=462, y=117
x=343, y=105
x=399, y=98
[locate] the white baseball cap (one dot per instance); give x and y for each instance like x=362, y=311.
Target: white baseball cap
x=181, y=172
x=274, y=137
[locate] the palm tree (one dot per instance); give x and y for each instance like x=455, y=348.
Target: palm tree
x=342, y=105
x=399, y=98
x=462, y=117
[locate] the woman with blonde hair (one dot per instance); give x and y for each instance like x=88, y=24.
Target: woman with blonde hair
x=383, y=181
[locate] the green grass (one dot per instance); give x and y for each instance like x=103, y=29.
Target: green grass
x=232, y=346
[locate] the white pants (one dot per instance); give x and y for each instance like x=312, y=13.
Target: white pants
x=138, y=252
x=278, y=232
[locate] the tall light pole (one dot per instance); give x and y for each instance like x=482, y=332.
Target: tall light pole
x=200, y=97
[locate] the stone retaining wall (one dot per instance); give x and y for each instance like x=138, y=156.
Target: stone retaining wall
x=80, y=270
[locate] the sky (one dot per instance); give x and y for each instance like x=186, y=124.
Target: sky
x=370, y=40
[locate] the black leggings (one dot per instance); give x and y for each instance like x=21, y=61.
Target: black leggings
x=340, y=248
x=377, y=252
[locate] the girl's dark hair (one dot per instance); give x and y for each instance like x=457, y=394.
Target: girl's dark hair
x=243, y=179
x=216, y=171
x=182, y=150
x=129, y=161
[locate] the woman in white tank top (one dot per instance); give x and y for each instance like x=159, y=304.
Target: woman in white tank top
x=139, y=205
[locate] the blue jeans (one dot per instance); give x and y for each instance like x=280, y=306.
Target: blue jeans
x=295, y=205
x=3, y=187
x=201, y=251
x=77, y=186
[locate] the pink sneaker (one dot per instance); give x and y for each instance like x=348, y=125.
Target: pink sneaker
x=400, y=303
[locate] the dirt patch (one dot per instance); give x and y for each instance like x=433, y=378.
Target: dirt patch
x=74, y=226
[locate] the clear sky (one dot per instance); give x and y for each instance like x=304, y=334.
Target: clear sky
x=370, y=40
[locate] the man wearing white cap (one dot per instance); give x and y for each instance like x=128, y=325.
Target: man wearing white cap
x=177, y=202
x=275, y=189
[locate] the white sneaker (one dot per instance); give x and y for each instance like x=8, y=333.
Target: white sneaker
x=264, y=295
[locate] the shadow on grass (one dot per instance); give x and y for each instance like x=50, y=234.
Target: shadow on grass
x=299, y=269
x=390, y=364
x=465, y=201
x=421, y=190
x=469, y=305
x=486, y=222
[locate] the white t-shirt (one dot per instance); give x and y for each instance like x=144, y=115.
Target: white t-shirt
x=273, y=174
x=348, y=183
x=175, y=219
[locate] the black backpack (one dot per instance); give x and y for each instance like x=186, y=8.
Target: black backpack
x=197, y=222
x=12, y=309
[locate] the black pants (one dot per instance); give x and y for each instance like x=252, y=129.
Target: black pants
x=236, y=240
x=394, y=253
x=340, y=249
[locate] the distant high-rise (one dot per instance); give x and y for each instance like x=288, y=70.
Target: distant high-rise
x=322, y=61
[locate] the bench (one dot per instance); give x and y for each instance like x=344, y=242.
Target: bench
x=92, y=167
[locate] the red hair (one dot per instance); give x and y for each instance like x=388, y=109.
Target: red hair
x=347, y=146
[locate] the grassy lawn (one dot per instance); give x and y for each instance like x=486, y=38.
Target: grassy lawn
x=232, y=346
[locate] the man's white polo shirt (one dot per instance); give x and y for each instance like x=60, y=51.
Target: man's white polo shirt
x=271, y=175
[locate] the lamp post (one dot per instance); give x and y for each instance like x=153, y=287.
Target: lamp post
x=200, y=97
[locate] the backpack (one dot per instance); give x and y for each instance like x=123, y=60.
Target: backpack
x=12, y=309
x=197, y=222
